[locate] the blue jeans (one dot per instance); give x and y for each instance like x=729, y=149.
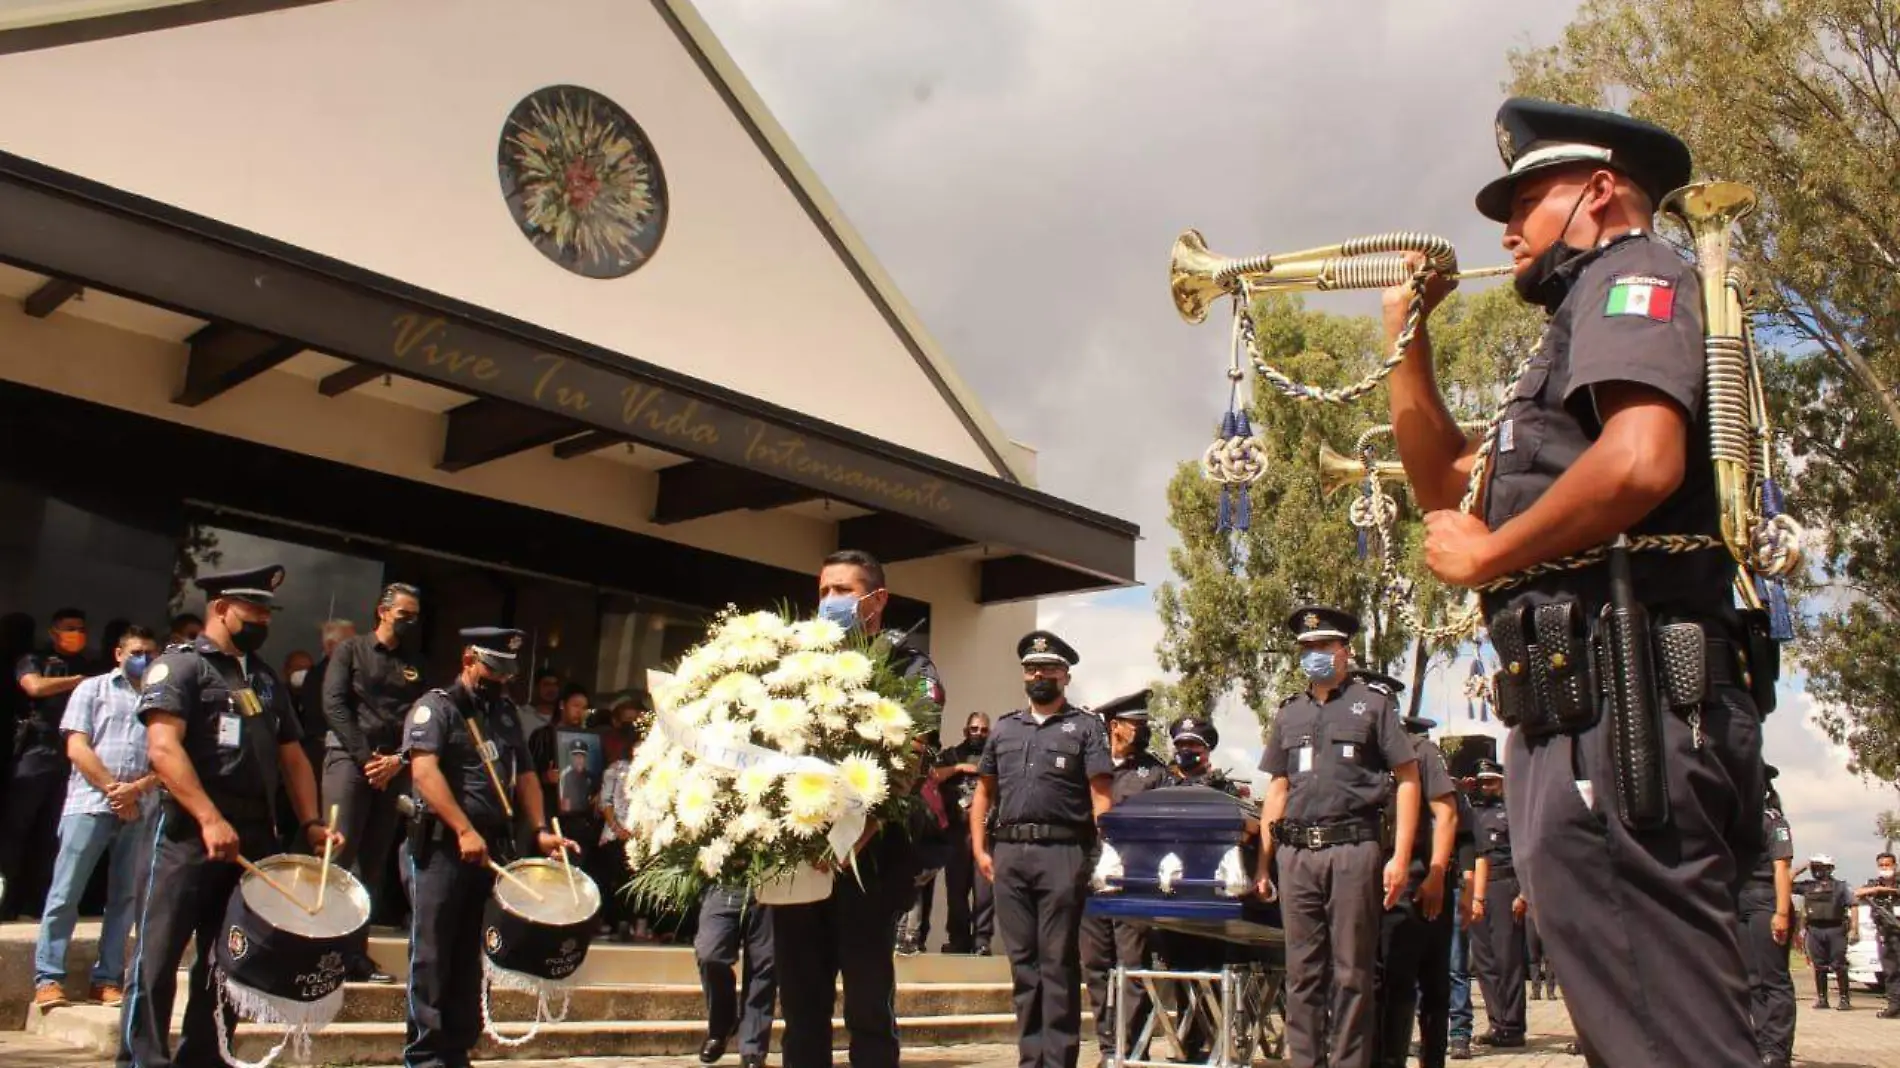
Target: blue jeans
x=1460, y=974
x=82, y=839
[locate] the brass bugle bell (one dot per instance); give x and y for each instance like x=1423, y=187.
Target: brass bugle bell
x=1198, y=278
x=1336, y=472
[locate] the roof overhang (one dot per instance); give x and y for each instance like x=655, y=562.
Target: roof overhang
x=531, y=387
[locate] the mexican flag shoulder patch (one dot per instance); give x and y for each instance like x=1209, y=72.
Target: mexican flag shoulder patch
x=1644, y=295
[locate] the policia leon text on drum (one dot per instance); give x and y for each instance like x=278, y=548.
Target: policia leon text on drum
x=464, y=749
x=220, y=731
x=1629, y=853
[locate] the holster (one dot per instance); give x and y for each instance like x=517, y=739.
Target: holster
x=1636, y=732
x=1547, y=681
x=1763, y=667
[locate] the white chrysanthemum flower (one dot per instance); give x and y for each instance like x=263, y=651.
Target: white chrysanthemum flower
x=696, y=668
x=813, y=792
x=663, y=834
x=827, y=696
x=865, y=698
x=864, y=775
x=663, y=780
x=849, y=668
x=753, y=652
x=781, y=718
x=816, y=634
x=869, y=729
x=753, y=822
x=736, y=688
x=694, y=713
x=804, y=823
x=754, y=782
x=712, y=856
x=890, y=717
x=696, y=801
x=834, y=722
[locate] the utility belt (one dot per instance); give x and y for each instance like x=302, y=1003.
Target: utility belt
x=1299, y=834
x=427, y=834
x=1047, y=833
x=236, y=811
x=1496, y=872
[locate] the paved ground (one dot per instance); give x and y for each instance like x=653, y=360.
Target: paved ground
x=1824, y=1040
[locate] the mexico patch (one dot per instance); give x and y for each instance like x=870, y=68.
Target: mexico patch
x=1651, y=298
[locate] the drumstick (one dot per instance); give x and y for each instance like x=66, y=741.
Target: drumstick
x=515, y=879
x=329, y=844
x=572, y=886
x=481, y=748
x=274, y=884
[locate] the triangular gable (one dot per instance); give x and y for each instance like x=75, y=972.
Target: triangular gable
x=369, y=131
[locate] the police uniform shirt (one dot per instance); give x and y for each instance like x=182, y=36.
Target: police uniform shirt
x=1780, y=846
x=912, y=663
x=1633, y=314
x=1434, y=781
x=1494, y=835
x=1043, y=770
x=1212, y=778
x=961, y=786
x=367, y=691
x=1335, y=756
x=41, y=727
x=437, y=724
x=1138, y=774
x=1828, y=901
x=236, y=714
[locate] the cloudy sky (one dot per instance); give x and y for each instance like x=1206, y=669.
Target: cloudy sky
x=1022, y=169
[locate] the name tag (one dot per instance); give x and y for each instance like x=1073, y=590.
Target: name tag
x=230, y=731
x=1507, y=435
x=1062, y=762
x=489, y=753
x=1303, y=758
x=1346, y=751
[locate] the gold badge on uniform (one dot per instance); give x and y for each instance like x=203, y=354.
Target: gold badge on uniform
x=247, y=702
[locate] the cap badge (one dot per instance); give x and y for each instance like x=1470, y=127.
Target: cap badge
x=1505, y=145
x=1040, y=645
x=1312, y=621
x=514, y=644
x=276, y=577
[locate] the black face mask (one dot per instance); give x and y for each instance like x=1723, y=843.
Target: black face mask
x=405, y=631
x=250, y=637
x=1043, y=691
x=1190, y=760
x=1547, y=283
x=487, y=688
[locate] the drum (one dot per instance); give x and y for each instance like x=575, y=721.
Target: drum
x=537, y=927
x=279, y=962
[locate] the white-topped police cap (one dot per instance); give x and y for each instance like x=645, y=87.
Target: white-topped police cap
x=257, y=585
x=1821, y=860
x=1317, y=622
x=1419, y=724
x=1042, y=647
x=1380, y=678
x=1194, y=729
x=1132, y=707
x=1490, y=769
x=497, y=646
x=1537, y=135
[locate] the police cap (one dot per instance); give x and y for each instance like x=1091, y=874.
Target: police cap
x=497, y=647
x=1194, y=729
x=1133, y=707
x=1490, y=769
x=1537, y=135
x=1380, y=678
x=577, y=746
x=1419, y=724
x=1042, y=647
x=257, y=585
x=1770, y=771
x=1317, y=622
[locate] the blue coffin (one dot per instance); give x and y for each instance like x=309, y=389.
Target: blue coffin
x=1198, y=825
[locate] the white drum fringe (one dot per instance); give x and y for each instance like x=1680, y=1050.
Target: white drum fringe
x=299, y=1019
x=543, y=990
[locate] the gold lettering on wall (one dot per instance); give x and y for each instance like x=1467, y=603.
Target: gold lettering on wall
x=648, y=407
x=767, y=448
x=572, y=399
x=428, y=339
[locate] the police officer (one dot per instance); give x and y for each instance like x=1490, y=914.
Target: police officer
x=1048, y=773
x=464, y=747
x=1330, y=752
x=730, y=921
x=1415, y=935
x=1766, y=904
x=1882, y=894
x=1619, y=375
x=849, y=935
x=1832, y=923
x=971, y=915
x=1193, y=740
x=221, y=735
x=1498, y=909
x=1106, y=942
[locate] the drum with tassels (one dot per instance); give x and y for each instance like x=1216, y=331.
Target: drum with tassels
x=536, y=930
x=280, y=956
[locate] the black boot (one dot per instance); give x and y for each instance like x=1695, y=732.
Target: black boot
x=1820, y=990
x=1840, y=983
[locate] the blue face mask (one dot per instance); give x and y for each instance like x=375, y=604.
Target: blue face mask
x=1318, y=664
x=135, y=666
x=840, y=608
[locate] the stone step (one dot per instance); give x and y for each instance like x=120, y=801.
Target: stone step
x=95, y=1028
x=372, y=1003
